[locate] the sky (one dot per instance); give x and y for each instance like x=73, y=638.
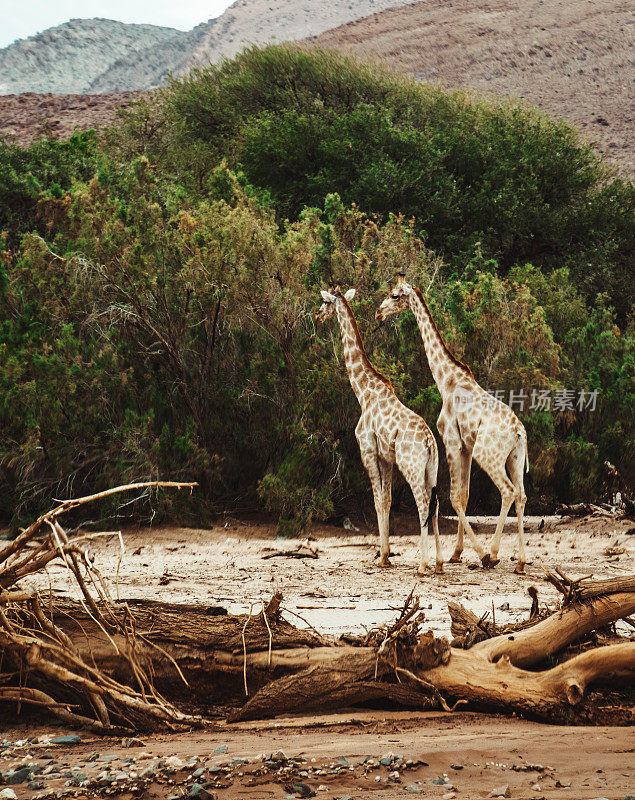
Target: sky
x=22, y=18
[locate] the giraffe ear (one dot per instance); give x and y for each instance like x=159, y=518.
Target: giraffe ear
x=327, y=297
x=350, y=294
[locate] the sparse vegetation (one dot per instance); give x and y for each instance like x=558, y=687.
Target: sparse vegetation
x=159, y=286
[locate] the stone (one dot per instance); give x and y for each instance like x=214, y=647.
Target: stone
x=72, y=739
x=134, y=742
x=440, y=781
x=173, y=763
x=17, y=776
x=343, y=761
x=148, y=772
x=302, y=790
x=92, y=756
x=199, y=792
x=500, y=791
x=413, y=788
x=78, y=778
x=8, y=794
x=198, y=772
x=221, y=749
x=457, y=766
x=36, y=784
x=278, y=756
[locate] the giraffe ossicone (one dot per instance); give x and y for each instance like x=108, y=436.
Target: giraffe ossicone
x=388, y=433
x=472, y=424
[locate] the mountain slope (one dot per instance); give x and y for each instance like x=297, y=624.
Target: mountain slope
x=244, y=22
x=571, y=59
x=68, y=57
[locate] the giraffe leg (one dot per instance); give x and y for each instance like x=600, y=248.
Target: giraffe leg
x=466, y=467
x=380, y=474
x=421, y=474
x=453, y=454
x=516, y=469
x=506, y=488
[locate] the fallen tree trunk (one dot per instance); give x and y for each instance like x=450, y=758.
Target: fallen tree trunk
x=111, y=666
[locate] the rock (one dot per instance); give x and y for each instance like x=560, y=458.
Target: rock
x=221, y=749
x=439, y=781
x=198, y=772
x=200, y=792
x=448, y=796
x=500, y=791
x=279, y=756
x=323, y=788
x=148, y=772
x=536, y=787
x=17, y=776
x=302, y=790
x=72, y=739
x=8, y=794
x=134, y=742
x=78, y=778
x=504, y=607
x=92, y=756
x=343, y=760
x=457, y=766
x=35, y=784
x=173, y=764
x=413, y=788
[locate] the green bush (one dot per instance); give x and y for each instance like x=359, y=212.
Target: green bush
x=499, y=176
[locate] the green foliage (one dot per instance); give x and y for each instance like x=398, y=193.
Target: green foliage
x=46, y=167
x=498, y=176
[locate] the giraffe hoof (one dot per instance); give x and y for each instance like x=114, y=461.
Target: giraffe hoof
x=438, y=570
x=488, y=562
x=520, y=568
x=422, y=569
x=385, y=562
x=455, y=559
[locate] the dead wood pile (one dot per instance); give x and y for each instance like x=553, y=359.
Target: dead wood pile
x=111, y=666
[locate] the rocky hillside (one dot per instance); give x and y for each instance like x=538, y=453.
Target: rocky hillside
x=572, y=59
x=68, y=57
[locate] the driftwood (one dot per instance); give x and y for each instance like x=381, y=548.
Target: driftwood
x=111, y=666
x=39, y=663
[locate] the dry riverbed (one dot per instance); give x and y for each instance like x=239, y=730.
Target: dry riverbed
x=356, y=752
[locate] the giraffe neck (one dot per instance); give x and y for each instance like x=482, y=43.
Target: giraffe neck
x=444, y=366
x=361, y=374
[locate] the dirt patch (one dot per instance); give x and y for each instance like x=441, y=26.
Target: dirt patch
x=25, y=117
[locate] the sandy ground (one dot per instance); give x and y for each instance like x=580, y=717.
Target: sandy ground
x=468, y=756
x=343, y=589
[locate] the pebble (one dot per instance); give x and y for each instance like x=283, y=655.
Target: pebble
x=500, y=791
x=173, y=763
x=200, y=792
x=302, y=790
x=35, y=785
x=536, y=787
x=134, y=742
x=413, y=788
x=92, y=756
x=322, y=788
x=8, y=794
x=448, y=796
x=148, y=772
x=17, y=776
x=72, y=739
x=221, y=749
x=343, y=760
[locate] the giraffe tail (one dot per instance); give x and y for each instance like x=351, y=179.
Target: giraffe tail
x=434, y=503
x=526, y=457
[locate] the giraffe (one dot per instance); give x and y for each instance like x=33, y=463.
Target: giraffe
x=472, y=424
x=388, y=433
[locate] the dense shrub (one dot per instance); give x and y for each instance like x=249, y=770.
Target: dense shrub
x=158, y=289
x=475, y=174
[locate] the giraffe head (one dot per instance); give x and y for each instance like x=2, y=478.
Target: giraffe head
x=328, y=307
x=397, y=301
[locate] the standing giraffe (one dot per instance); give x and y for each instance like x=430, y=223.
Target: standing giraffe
x=472, y=424
x=388, y=433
